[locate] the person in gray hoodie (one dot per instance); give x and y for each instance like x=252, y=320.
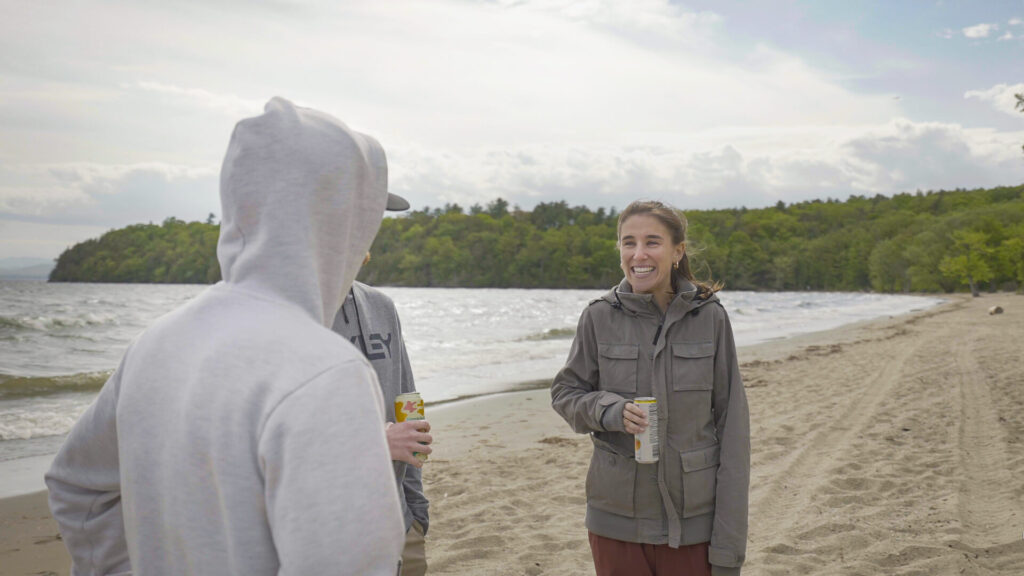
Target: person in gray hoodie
x=221, y=445
x=369, y=320
x=660, y=333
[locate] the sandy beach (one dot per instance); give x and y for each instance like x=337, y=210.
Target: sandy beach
x=894, y=446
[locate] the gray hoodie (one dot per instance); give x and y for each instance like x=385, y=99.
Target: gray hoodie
x=221, y=445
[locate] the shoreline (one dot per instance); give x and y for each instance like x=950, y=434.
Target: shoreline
x=515, y=388
x=17, y=473
x=885, y=446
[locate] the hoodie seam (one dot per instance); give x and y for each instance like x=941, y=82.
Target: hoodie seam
x=241, y=250
x=298, y=387
x=92, y=542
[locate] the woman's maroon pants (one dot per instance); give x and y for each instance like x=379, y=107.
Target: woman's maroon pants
x=618, y=558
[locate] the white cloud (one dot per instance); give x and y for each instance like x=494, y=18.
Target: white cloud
x=904, y=155
x=812, y=162
x=743, y=167
x=1000, y=96
x=1015, y=22
x=592, y=101
x=946, y=33
x=448, y=73
x=108, y=195
x=642, y=21
x=980, y=30
x=229, y=104
x=1007, y=36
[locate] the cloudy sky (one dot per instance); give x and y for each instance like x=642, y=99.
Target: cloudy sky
x=119, y=112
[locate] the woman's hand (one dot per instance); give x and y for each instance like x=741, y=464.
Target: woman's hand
x=634, y=419
x=407, y=437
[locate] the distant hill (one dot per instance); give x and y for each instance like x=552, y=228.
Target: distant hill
x=26, y=268
x=174, y=252
x=927, y=241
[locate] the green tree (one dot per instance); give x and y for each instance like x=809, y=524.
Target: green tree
x=1011, y=256
x=746, y=264
x=969, y=261
x=497, y=208
x=881, y=243
x=923, y=253
x=888, y=267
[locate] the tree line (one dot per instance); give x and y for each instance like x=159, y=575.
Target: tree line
x=923, y=242
x=174, y=252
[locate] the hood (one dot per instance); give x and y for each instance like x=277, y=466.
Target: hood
x=622, y=297
x=302, y=197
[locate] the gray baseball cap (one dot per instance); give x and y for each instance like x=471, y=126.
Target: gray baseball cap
x=396, y=203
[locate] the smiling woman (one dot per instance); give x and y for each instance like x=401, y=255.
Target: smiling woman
x=648, y=253
x=660, y=335
x=652, y=243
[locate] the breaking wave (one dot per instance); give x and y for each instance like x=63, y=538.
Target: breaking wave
x=553, y=334
x=12, y=387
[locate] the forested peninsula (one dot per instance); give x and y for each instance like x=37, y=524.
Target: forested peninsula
x=928, y=241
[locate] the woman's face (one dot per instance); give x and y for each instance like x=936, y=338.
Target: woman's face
x=647, y=254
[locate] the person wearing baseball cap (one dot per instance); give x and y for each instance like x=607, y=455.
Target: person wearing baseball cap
x=369, y=320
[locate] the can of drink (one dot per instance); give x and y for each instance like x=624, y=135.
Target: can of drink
x=409, y=406
x=647, y=441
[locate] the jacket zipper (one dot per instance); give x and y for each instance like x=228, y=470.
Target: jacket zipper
x=657, y=334
x=661, y=324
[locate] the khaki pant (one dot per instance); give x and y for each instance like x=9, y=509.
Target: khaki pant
x=618, y=558
x=414, y=555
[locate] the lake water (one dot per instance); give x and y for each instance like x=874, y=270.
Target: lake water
x=59, y=342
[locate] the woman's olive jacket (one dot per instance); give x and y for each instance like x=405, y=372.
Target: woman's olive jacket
x=685, y=358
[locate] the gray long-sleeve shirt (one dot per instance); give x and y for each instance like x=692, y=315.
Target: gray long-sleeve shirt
x=369, y=320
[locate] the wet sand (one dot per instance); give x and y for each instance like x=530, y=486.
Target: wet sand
x=29, y=541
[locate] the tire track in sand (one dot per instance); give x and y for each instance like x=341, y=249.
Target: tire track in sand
x=989, y=512
x=790, y=493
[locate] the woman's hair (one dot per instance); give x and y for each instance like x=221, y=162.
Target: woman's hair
x=675, y=222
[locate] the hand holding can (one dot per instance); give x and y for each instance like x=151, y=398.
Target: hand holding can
x=646, y=451
x=409, y=407
x=634, y=418
x=408, y=439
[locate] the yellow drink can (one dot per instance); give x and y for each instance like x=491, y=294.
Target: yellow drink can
x=409, y=406
x=647, y=441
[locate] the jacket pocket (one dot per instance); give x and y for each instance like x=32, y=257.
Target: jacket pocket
x=616, y=364
x=611, y=482
x=693, y=365
x=700, y=476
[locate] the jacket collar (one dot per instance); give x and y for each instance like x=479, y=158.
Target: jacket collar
x=623, y=298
